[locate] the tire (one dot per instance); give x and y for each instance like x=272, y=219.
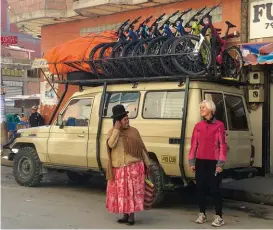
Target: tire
x=153, y=48
x=77, y=177
x=141, y=63
x=167, y=62
x=119, y=64
x=129, y=63
x=27, y=167
x=95, y=66
x=190, y=63
x=229, y=70
x=156, y=176
x=106, y=65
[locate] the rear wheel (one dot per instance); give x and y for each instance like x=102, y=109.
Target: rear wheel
x=153, y=49
x=106, y=64
x=167, y=62
x=27, y=167
x=156, y=176
x=232, y=62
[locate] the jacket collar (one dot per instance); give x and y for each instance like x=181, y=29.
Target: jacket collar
x=210, y=121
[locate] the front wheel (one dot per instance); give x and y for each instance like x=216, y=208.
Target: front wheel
x=194, y=56
x=27, y=167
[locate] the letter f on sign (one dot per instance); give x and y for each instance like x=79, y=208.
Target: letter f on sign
x=258, y=12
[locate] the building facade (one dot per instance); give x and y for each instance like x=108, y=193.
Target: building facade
x=62, y=20
x=18, y=49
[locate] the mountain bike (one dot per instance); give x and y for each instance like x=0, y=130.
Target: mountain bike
x=96, y=53
x=195, y=58
x=129, y=63
x=228, y=60
x=166, y=48
x=153, y=47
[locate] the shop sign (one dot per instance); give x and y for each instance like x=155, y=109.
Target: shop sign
x=39, y=63
x=9, y=40
x=261, y=18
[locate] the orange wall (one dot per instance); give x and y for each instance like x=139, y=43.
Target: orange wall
x=53, y=35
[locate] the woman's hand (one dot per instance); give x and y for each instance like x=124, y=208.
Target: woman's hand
x=192, y=168
x=117, y=125
x=219, y=169
x=147, y=171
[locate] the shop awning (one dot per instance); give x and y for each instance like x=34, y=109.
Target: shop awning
x=257, y=53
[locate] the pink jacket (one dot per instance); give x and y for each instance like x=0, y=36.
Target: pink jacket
x=208, y=142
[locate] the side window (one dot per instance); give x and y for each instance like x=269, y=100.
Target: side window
x=77, y=113
x=236, y=113
x=129, y=100
x=160, y=105
x=218, y=99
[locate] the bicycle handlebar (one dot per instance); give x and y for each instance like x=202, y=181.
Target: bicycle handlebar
x=145, y=21
x=208, y=13
x=168, y=19
x=180, y=17
x=193, y=18
x=157, y=20
x=122, y=26
x=132, y=23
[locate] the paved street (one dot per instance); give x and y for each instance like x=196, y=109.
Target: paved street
x=58, y=203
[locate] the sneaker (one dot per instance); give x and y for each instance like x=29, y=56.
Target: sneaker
x=218, y=221
x=201, y=218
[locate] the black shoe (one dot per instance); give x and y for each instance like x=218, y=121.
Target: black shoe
x=123, y=220
x=130, y=222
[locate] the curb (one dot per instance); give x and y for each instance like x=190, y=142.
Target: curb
x=241, y=195
x=5, y=162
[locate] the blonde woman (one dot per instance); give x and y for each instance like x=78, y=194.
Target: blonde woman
x=206, y=158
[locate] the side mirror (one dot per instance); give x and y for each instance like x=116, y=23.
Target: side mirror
x=60, y=121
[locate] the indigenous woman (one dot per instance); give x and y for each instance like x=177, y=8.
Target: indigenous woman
x=127, y=165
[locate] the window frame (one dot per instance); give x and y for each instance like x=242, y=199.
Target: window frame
x=113, y=92
x=225, y=108
x=67, y=104
x=156, y=91
x=245, y=109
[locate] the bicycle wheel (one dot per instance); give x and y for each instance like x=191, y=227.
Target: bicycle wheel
x=191, y=61
x=166, y=61
x=232, y=62
x=95, y=65
x=128, y=64
x=105, y=64
x=153, y=48
x=140, y=63
x=119, y=63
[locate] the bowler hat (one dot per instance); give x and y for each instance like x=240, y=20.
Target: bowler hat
x=119, y=110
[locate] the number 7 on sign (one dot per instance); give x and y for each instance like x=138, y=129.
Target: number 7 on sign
x=268, y=24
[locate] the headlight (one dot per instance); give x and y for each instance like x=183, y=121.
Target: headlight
x=15, y=150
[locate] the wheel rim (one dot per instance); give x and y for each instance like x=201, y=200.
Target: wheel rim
x=25, y=167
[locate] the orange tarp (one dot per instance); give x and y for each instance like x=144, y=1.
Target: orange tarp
x=77, y=50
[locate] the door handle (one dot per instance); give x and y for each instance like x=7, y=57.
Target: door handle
x=80, y=135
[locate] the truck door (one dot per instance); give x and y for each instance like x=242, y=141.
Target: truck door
x=68, y=145
x=239, y=133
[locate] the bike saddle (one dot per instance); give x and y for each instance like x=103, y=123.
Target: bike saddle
x=230, y=25
x=218, y=29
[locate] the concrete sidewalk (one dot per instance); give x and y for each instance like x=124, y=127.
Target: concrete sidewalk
x=256, y=190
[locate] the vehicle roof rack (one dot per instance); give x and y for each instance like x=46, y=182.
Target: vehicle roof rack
x=100, y=82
